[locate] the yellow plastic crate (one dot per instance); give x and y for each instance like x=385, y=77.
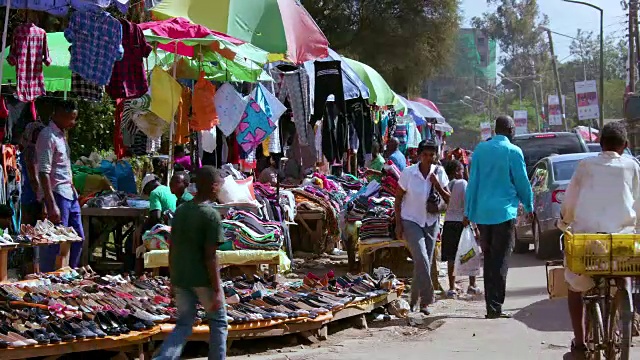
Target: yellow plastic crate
x=603, y=254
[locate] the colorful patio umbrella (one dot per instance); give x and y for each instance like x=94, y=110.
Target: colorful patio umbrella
x=222, y=69
x=281, y=27
x=379, y=91
x=57, y=76
x=428, y=103
x=180, y=36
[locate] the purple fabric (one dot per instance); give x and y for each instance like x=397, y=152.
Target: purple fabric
x=254, y=127
x=70, y=216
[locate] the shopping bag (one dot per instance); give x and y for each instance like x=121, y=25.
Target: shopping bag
x=468, y=260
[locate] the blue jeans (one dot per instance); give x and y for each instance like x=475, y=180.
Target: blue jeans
x=186, y=301
x=70, y=216
x=421, y=242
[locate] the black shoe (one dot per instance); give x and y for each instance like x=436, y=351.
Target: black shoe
x=106, y=325
x=500, y=315
x=62, y=333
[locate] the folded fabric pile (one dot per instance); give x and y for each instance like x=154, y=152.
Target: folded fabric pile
x=158, y=238
x=379, y=220
x=390, y=178
x=247, y=231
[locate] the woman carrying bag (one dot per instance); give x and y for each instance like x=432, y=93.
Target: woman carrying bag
x=421, y=199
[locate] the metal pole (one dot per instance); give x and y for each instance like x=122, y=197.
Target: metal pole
x=632, y=52
x=535, y=101
x=4, y=38
x=556, y=77
x=632, y=13
x=602, y=68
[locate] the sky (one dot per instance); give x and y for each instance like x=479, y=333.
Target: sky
x=567, y=18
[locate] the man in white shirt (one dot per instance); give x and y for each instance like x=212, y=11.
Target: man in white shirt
x=602, y=197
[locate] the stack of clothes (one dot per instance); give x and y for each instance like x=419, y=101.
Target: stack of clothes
x=379, y=220
x=390, y=178
x=248, y=232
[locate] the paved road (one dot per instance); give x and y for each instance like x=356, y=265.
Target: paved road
x=540, y=329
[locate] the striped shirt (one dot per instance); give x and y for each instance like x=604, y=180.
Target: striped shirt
x=53, y=159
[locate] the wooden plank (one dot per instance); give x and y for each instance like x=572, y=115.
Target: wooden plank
x=114, y=212
x=4, y=266
x=125, y=341
x=311, y=214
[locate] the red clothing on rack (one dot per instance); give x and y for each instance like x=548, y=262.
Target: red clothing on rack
x=28, y=52
x=118, y=142
x=129, y=79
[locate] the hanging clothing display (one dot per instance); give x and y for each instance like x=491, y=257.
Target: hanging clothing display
x=293, y=84
x=139, y=146
x=208, y=140
x=359, y=114
x=165, y=95
x=328, y=81
x=96, y=43
x=230, y=106
x=413, y=135
x=254, y=127
x=85, y=89
x=137, y=110
x=28, y=52
x=182, y=132
x=334, y=133
x=128, y=78
x=118, y=139
x=270, y=104
x=204, y=116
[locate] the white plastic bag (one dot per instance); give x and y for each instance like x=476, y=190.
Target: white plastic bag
x=468, y=260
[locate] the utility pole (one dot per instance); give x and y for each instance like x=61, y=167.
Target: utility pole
x=535, y=101
x=632, y=43
x=556, y=78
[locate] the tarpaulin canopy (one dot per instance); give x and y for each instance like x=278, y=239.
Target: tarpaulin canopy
x=379, y=91
x=57, y=76
x=281, y=27
x=419, y=109
x=352, y=85
x=401, y=103
x=180, y=36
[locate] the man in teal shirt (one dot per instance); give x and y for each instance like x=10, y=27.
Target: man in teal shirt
x=498, y=182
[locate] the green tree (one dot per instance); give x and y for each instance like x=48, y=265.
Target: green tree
x=405, y=40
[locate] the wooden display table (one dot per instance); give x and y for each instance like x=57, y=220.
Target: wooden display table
x=133, y=342
x=310, y=231
x=115, y=219
x=62, y=260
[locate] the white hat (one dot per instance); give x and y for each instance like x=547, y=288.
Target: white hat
x=147, y=179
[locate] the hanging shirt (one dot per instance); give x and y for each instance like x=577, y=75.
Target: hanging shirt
x=96, y=43
x=28, y=52
x=204, y=115
x=129, y=79
x=230, y=106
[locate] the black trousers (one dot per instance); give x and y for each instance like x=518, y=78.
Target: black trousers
x=328, y=81
x=360, y=116
x=497, y=245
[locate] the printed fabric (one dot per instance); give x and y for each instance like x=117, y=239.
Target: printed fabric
x=270, y=104
x=129, y=78
x=254, y=127
x=28, y=52
x=137, y=110
x=96, y=43
x=230, y=106
x=204, y=115
x=86, y=90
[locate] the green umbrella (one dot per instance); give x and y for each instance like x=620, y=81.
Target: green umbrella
x=57, y=76
x=380, y=92
x=217, y=68
x=282, y=27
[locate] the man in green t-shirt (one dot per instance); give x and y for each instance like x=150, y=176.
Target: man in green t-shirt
x=160, y=200
x=195, y=234
x=179, y=184
x=377, y=161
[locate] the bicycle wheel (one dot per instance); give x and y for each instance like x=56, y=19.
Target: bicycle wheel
x=620, y=323
x=595, y=331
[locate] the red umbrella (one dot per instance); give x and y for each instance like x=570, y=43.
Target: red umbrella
x=428, y=103
x=589, y=136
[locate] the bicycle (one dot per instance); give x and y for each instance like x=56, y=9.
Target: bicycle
x=608, y=306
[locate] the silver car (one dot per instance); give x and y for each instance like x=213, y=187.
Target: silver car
x=549, y=180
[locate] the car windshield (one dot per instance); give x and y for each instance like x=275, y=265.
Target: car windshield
x=534, y=149
x=563, y=170
x=595, y=147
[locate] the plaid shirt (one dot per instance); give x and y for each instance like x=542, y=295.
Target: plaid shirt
x=96, y=43
x=129, y=79
x=28, y=52
x=53, y=158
